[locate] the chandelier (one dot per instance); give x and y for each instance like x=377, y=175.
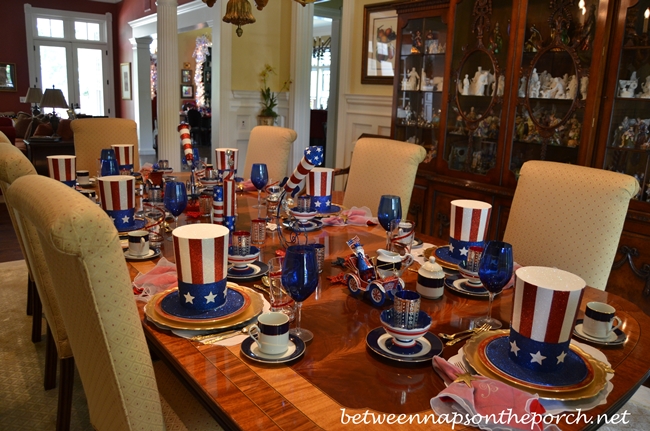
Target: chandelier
x=238, y=12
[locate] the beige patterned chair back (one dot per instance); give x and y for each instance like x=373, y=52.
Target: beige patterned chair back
x=92, y=284
x=382, y=167
x=4, y=139
x=270, y=145
x=91, y=135
x=14, y=165
x=569, y=217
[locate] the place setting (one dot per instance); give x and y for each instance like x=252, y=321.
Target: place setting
x=243, y=263
x=139, y=246
x=600, y=326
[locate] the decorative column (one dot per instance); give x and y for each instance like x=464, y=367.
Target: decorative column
x=168, y=84
x=142, y=90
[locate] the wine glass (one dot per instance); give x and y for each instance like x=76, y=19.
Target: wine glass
x=390, y=208
x=300, y=278
x=175, y=200
x=259, y=178
x=495, y=271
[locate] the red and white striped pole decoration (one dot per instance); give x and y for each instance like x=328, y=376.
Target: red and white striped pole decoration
x=186, y=141
x=313, y=156
x=217, y=205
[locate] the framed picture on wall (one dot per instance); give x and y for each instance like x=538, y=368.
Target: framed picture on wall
x=186, y=76
x=125, y=80
x=187, y=91
x=379, y=44
x=8, y=77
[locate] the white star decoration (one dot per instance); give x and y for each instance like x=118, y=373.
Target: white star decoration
x=537, y=357
x=189, y=298
x=317, y=204
x=112, y=219
x=319, y=149
x=125, y=219
x=463, y=251
x=514, y=348
x=210, y=298
x=451, y=248
x=328, y=202
x=308, y=152
x=561, y=357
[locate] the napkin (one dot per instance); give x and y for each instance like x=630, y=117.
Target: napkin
x=354, y=216
x=159, y=279
x=477, y=395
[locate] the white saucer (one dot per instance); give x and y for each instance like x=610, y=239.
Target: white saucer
x=615, y=338
x=153, y=252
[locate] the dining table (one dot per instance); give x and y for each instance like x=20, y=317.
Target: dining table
x=340, y=382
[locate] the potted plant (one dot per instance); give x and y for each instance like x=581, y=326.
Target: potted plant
x=269, y=99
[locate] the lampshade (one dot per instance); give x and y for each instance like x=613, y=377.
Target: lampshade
x=53, y=98
x=34, y=95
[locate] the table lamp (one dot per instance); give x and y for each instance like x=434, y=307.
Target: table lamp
x=34, y=95
x=53, y=98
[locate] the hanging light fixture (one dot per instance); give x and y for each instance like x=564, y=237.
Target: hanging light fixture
x=238, y=12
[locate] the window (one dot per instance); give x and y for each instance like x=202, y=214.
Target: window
x=72, y=51
x=319, y=92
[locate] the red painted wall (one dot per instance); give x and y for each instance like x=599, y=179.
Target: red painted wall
x=14, y=41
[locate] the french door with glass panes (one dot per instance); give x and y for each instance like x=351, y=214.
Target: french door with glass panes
x=78, y=69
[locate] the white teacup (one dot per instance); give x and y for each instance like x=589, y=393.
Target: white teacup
x=599, y=320
x=139, y=243
x=83, y=178
x=392, y=263
x=271, y=333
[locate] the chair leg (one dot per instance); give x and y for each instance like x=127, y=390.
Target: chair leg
x=31, y=289
x=64, y=411
x=51, y=360
x=37, y=317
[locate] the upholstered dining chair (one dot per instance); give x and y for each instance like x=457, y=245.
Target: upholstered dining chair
x=569, y=217
x=93, y=287
x=91, y=135
x=382, y=166
x=14, y=165
x=270, y=145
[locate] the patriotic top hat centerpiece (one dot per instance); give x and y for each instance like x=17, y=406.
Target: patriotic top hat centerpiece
x=227, y=159
x=124, y=155
x=319, y=187
x=545, y=304
x=63, y=168
x=201, y=252
x=117, y=194
x=468, y=225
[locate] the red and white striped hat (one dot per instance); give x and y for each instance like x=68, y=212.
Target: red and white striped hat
x=124, y=154
x=467, y=226
x=227, y=159
x=201, y=252
x=544, y=309
x=117, y=192
x=319, y=182
x=229, y=198
x=63, y=168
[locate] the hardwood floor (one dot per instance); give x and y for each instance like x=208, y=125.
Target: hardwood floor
x=9, y=248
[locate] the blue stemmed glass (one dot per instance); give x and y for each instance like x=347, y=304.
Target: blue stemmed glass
x=300, y=278
x=259, y=178
x=390, y=208
x=175, y=200
x=495, y=271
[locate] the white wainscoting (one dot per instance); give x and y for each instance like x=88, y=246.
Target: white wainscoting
x=361, y=114
x=244, y=108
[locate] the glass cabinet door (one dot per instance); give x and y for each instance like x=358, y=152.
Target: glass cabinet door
x=627, y=149
x=553, y=115
x=476, y=97
x=421, y=72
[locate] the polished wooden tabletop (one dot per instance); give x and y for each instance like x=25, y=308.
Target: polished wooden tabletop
x=338, y=376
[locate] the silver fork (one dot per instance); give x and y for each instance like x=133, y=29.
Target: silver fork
x=483, y=328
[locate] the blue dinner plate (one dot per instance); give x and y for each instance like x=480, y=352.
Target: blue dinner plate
x=309, y=226
x=251, y=272
x=573, y=372
x=137, y=225
x=443, y=253
x=235, y=302
x=458, y=284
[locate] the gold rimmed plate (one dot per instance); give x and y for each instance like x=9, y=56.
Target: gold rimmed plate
x=432, y=252
x=168, y=306
x=253, y=310
x=588, y=388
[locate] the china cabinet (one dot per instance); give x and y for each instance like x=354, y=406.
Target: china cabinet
x=557, y=80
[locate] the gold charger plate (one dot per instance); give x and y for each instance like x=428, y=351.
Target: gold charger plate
x=430, y=251
x=590, y=390
x=254, y=309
